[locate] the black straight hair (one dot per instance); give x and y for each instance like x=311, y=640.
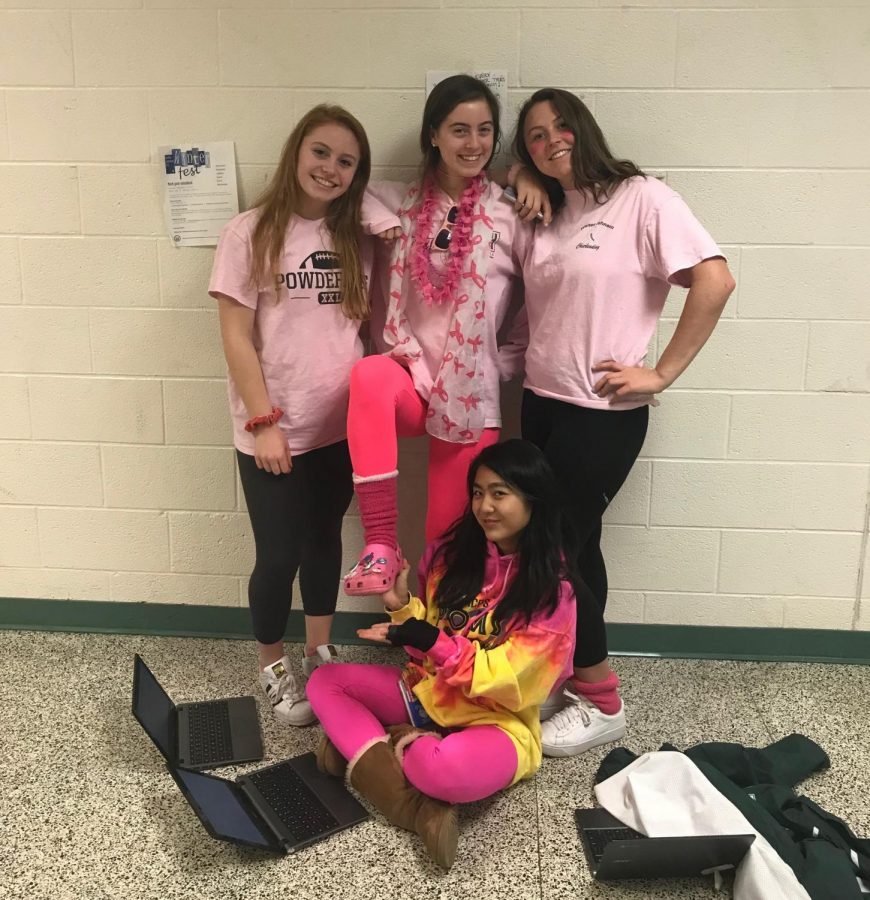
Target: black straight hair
x=545, y=550
x=595, y=168
x=445, y=97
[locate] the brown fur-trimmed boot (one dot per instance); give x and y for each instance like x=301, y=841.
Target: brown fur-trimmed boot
x=398, y=733
x=377, y=775
x=329, y=760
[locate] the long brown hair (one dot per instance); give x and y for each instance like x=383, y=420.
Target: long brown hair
x=444, y=98
x=596, y=170
x=280, y=200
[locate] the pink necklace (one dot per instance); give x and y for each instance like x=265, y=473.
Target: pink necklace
x=461, y=242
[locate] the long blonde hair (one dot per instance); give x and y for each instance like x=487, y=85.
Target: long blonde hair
x=280, y=200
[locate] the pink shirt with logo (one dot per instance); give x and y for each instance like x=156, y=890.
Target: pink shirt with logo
x=305, y=344
x=431, y=322
x=596, y=282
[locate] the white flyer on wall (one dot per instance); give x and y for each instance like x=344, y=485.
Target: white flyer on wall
x=200, y=194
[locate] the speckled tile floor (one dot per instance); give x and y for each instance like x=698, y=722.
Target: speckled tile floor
x=87, y=809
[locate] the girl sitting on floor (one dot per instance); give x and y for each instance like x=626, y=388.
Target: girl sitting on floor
x=491, y=636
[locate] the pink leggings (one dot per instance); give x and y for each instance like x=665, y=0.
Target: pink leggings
x=384, y=407
x=354, y=702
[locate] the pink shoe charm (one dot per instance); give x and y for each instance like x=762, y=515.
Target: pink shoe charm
x=375, y=572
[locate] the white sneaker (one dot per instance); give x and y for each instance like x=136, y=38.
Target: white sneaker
x=323, y=655
x=553, y=704
x=287, y=697
x=580, y=726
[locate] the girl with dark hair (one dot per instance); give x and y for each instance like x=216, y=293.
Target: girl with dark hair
x=595, y=284
x=290, y=280
x=450, y=278
x=489, y=638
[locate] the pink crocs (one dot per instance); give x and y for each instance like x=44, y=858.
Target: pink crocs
x=378, y=566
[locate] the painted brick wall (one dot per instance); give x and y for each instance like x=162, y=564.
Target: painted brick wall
x=117, y=481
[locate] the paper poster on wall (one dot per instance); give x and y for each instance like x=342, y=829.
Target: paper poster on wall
x=200, y=194
x=494, y=79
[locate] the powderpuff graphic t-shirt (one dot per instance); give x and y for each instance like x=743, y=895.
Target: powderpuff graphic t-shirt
x=305, y=344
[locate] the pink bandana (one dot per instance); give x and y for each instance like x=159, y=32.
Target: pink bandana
x=456, y=397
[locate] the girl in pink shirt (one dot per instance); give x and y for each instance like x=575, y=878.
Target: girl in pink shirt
x=595, y=284
x=290, y=279
x=449, y=280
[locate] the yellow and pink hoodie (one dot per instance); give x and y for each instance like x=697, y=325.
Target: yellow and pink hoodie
x=484, y=672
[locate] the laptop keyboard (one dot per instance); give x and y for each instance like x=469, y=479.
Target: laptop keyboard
x=599, y=838
x=210, y=736
x=295, y=804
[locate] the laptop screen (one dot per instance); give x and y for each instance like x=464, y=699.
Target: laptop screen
x=220, y=807
x=154, y=709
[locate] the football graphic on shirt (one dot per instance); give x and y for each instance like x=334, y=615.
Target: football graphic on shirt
x=321, y=259
x=320, y=271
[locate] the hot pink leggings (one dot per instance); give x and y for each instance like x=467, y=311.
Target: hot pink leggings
x=384, y=407
x=354, y=702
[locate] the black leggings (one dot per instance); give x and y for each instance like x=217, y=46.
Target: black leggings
x=592, y=452
x=296, y=519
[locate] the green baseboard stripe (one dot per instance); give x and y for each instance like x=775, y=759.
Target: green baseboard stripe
x=171, y=619
x=710, y=642
x=673, y=641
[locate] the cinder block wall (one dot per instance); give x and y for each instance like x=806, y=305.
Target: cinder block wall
x=117, y=479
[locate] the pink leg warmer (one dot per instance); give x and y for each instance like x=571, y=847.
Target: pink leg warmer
x=451, y=769
x=604, y=694
x=354, y=702
x=379, y=510
x=448, y=471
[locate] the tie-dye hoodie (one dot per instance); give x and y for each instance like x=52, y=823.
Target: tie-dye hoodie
x=483, y=673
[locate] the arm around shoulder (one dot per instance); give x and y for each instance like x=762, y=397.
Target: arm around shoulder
x=377, y=218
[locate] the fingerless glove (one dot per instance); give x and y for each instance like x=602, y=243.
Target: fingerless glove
x=413, y=633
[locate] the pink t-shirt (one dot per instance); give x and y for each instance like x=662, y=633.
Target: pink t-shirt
x=431, y=322
x=305, y=344
x=596, y=281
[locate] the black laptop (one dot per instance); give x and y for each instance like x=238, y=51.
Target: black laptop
x=280, y=808
x=616, y=851
x=196, y=735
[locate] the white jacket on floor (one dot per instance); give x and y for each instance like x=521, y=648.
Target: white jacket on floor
x=664, y=794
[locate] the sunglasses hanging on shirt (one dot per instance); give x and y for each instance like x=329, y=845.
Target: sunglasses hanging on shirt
x=445, y=233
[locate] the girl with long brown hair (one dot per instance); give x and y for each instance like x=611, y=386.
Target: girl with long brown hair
x=595, y=284
x=290, y=278
x=450, y=278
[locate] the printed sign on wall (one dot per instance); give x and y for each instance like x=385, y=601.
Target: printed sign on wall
x=200, y=194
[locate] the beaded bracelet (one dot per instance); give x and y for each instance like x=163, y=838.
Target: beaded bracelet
x=271, y=419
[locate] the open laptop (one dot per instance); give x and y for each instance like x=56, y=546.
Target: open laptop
x=280, y=808
x=196, y=735
x=614, y=850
